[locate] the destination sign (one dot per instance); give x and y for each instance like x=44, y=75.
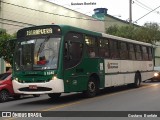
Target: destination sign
x=39, y=31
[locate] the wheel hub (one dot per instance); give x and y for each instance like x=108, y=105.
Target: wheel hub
x=4, y=96
x=92, y=87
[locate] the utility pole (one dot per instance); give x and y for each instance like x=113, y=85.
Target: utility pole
x=130, y=11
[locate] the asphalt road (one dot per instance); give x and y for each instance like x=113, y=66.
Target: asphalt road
x=145, y=98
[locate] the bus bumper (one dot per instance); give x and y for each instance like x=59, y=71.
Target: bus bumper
x=53, y=86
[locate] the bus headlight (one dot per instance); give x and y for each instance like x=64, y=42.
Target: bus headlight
x=156, y=74
x=54, y=77
x=16, y=79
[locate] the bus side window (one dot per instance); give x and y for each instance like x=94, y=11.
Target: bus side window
x=131, y=52
x=114, y=52
x=138, y=52
x=104, y=48
x=144, y=53
x=91, y=46
x=123, y=50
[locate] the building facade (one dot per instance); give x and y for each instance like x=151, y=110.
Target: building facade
x=17, y=14
x=109, y=20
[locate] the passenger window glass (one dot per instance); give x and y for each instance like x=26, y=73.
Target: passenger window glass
x=91, y=46
x=123, y=50
x=138, y=52
x=104, y=48
x=131, y=52
x=114, y=52
x=144, y=53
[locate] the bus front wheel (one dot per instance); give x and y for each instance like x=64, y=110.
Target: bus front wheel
x=54, y=95
x=92, y=88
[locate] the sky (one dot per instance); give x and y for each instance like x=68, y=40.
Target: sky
x=119, y=9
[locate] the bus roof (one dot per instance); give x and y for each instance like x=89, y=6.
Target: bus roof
x=66, y=28
x=71, y=28
x=125, y=39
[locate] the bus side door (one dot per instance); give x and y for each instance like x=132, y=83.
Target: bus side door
x=72, y=57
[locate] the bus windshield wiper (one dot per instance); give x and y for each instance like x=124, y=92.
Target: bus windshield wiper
x=42, y=45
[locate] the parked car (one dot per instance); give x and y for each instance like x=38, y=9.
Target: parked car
x=6, y=87
x=156, y=73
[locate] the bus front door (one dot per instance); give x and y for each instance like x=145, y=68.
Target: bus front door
x=73, y=70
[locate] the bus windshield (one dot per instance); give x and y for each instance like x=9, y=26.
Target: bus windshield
x=37, y=54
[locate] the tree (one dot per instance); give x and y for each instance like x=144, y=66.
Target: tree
x=152, y=31
x=7, y=46
x=123, y=31
x=148, y=33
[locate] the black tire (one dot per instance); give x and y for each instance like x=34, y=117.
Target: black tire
x=92, y=88
x=152, y=79
x=17, y=97
x=54, y=95
x=36, y=95
x=4, y=96
x=137, y=82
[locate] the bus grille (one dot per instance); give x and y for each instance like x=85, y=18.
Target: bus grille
x=31, y=81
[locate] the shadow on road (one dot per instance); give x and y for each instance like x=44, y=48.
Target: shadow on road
x=23, y=97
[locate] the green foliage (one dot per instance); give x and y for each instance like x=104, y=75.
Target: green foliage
x=148, y=33
x=6, y=46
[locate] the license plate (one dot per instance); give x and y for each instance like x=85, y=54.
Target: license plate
x=33, y=87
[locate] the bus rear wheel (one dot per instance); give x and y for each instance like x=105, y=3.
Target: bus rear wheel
x=54, y=95
x=92, y=88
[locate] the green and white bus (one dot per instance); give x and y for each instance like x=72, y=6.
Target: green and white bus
x=55, y=59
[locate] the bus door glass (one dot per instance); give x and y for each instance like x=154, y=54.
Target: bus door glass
x=73, y=48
